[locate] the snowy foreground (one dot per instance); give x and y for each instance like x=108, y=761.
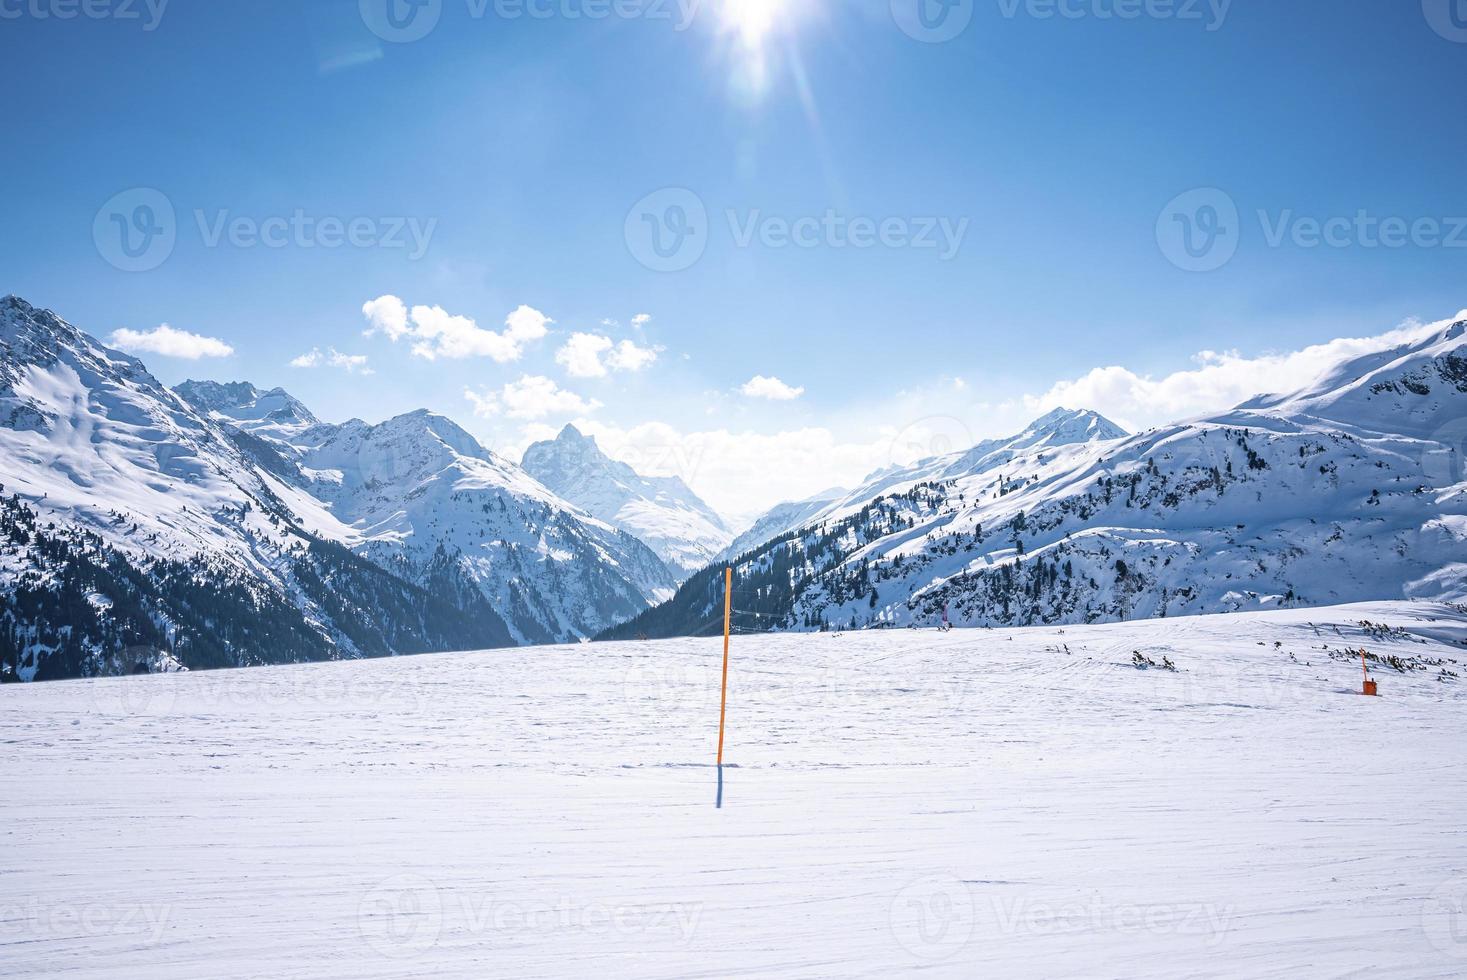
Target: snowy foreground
x=978, y=803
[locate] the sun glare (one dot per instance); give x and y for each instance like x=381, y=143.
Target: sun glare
x=752, y=20
x=749, y=28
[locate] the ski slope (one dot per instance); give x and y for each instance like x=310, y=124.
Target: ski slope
x=1007, y=803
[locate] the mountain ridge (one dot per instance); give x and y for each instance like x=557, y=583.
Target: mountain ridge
x=661, y=511
x=1350, y=489
x=134, y=520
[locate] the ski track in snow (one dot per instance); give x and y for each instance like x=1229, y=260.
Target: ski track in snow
x=975, y=803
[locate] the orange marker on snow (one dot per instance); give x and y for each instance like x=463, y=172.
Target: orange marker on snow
x=1370, y=688
x=727, y=616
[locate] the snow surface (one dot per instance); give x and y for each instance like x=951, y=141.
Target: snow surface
x=1007, y=803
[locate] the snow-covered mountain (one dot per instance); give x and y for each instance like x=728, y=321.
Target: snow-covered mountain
x=417, y=488
x=781, y=519
x=246, y=406
x=141, y=532
x=135, y=534
x=661, y=511
x=1349, y=489
x=1061, y=427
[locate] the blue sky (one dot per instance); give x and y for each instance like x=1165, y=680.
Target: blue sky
x=1040, y=150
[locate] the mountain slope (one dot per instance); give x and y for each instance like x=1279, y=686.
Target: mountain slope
x=418, y=486
x=137, y=535
x=661, y=511
x=1060, y=427
x=141, y=532
x=780, y=520
x=418, y=490
x=1351, y=489
x=246, y=406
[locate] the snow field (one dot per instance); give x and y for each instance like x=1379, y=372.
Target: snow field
x=970, y=803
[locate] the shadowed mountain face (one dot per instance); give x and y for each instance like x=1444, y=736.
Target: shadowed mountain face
x=661, y=511
x=1351, y=489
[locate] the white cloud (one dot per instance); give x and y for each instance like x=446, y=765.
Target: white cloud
x=741, y=471
x=738, y=473
x=770, y=388
x=641, y=320
x=486, y=403
x=629, y=357
x=531, y=397
x=386, y=314
x=581, y=356
x=168, y=342
x=440, y=334
x=350, y=363
x=1218, y=381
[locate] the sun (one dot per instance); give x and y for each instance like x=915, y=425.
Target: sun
x=758, y=38
x=752, y=20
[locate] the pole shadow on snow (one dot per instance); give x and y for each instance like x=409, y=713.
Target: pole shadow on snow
x=718, y=803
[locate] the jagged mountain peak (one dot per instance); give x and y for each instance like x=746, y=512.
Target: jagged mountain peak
x=32, y=335
x=662, y=511
x=1058, y=428
x=344, y=540
x=1075, y=425
x=572, y=436
x=242, y=402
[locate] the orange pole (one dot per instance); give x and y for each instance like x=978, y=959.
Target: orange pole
x=727, y=614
